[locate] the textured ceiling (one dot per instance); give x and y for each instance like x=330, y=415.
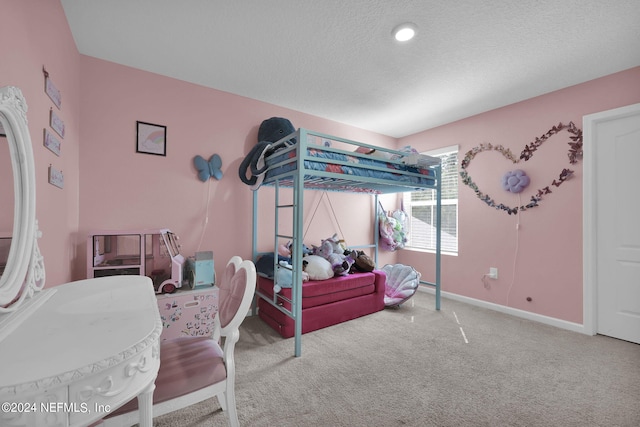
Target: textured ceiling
x=336, y=58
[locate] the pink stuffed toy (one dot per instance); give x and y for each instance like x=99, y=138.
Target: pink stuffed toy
x=285, y=250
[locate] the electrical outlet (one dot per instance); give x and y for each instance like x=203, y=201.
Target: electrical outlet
x=493, y=273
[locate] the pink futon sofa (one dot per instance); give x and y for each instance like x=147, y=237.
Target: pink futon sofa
x=326, y=302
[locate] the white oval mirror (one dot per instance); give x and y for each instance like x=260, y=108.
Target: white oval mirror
x=7, y=194
x=23, y=274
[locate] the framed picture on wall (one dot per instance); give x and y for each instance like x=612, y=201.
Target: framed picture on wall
x=52, y=90
x=151, y=139
x=56, y=123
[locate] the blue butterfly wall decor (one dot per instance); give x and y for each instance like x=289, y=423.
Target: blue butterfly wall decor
x=208, y=169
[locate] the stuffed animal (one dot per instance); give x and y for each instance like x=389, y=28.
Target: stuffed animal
x=264, y=264
x=340, y=262
x=285, y=250
x=318, y=268
x=285, y=277
x=339, y=245
x=270, y=131
x=378, y=154
x=284, y=273
x=364, y=263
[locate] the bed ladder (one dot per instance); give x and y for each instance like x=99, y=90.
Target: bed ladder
x=296, y=257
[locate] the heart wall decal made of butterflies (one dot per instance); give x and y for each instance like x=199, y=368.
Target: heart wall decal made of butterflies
x=208, y=169
x=574, y=153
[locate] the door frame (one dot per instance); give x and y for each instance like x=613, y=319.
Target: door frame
x=589, y=217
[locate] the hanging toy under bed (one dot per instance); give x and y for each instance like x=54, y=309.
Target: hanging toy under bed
x=392, y=226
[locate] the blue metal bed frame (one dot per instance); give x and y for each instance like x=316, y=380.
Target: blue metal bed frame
x=301, y=178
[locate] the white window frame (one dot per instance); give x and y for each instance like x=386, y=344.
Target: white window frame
x=445, y=202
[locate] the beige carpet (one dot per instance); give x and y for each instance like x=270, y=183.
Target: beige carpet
x=414, y=367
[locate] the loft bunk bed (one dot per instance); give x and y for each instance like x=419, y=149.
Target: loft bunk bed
x=308, y=160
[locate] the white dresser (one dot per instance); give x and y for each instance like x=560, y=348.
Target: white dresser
x=78, y=351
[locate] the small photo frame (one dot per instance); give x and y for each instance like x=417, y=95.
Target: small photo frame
x=151, y=139
x=52, y=91
x=56, y=177
x=56, y=123
x=51, y=142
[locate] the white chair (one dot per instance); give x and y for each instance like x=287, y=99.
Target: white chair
x=193, y=369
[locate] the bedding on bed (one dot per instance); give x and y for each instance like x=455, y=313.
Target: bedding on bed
x=348, y=164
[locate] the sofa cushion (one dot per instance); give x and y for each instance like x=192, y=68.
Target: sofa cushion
x=319, y=292
x=323, y=315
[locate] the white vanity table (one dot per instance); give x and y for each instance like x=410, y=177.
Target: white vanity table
x=92, y=346
x=72, y=353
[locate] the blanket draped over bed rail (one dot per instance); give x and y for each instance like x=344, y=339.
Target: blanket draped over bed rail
x=323, y=162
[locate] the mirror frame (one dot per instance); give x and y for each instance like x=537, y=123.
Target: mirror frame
x=24, y=273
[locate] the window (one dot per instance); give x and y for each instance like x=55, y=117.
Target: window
x=421, y=208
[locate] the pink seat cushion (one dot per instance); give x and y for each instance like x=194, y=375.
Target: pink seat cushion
x=231, y=293
x=186, y=364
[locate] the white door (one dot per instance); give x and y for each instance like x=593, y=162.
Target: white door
x=615, y=161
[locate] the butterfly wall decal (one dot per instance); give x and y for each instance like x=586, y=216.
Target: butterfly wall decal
x=575, y=154
x=208, y=169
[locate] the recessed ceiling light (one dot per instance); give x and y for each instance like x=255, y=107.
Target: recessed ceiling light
x=404, y=32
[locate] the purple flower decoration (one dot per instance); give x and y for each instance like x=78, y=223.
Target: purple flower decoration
x=515, y=181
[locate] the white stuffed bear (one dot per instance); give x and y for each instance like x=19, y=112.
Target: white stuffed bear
x=318, y=268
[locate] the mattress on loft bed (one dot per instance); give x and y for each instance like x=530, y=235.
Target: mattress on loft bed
x=325, y=302
x=353, y=165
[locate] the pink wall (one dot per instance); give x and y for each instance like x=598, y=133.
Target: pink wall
x=34, y=34
x=548, y=263
x=110, y=186
x=122, y=189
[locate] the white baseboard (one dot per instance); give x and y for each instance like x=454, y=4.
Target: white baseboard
x=563, y=324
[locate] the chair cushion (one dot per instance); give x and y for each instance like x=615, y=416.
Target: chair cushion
x=187, y=364
x=230, y=294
